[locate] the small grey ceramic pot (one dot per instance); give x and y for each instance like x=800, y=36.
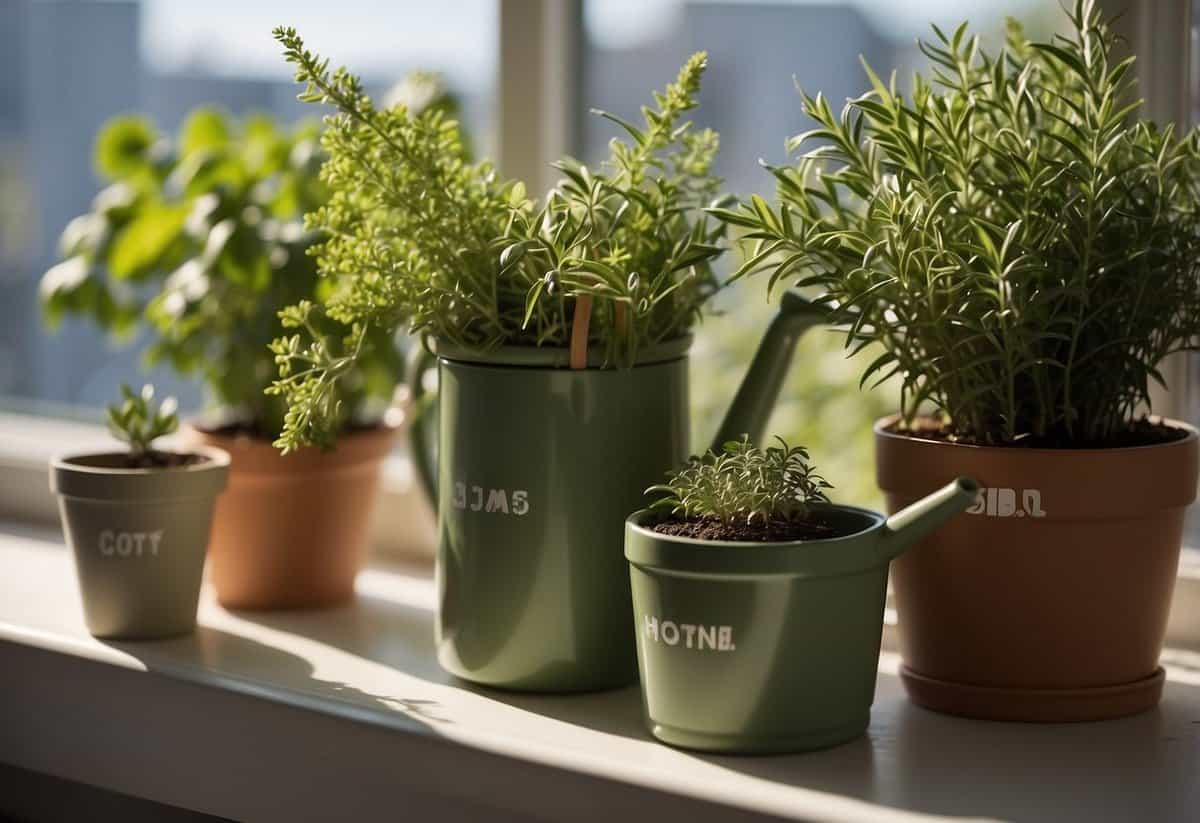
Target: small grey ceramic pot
x=139, y=538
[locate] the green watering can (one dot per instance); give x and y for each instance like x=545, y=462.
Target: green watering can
x=755, y=648
x=538, y=465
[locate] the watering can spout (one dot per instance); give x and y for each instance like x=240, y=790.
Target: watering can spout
x=752, y=405
x=912, y=523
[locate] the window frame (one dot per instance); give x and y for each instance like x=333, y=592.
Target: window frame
x=1159, y=33
x=538, y=86
x=540, y=59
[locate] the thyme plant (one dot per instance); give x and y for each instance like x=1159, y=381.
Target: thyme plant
x=743, y=484
x=418, y=236
x=137, y=421
x=1023, y=248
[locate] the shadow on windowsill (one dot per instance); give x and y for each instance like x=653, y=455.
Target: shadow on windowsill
x=912, y=759
x=400, y=635
x=261, y=669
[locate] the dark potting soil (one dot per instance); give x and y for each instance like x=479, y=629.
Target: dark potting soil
x=779, y=530
x=252, y=430
x=237, y=429
x=153, y=460
x=1142, y=432
x=162, y=460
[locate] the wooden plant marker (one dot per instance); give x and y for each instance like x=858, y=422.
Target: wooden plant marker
x=580, y=322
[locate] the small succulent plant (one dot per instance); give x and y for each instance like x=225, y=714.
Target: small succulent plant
x=743, y=483
x=138, y=420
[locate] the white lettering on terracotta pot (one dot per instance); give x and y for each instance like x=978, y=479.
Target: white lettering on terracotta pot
x=998, y=502
x=129, y=544
x=489, y=500
x=688, y=635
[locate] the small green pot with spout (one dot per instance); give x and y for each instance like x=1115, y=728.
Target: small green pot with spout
x=537, y=467
x=769, y=647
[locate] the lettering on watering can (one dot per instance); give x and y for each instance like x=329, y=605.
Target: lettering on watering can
x=690, y=635
x=997, y=502
x=129, y=544
x=502, y=501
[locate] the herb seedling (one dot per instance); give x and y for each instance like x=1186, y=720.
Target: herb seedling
x=137, y=421
x=1024, y=250
x=744, y=485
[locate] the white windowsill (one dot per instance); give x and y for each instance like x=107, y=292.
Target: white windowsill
x=403, y=527
x=345, y=713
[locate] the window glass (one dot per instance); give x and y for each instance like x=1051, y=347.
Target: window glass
x=759, y=52
x=1192, y=373
x=68, y=66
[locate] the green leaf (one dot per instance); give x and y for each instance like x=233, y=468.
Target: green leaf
x=243, y=260
x=204, y=129
x=141, y=245
x=123, y=146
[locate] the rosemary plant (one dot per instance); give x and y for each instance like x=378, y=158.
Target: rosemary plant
x=1022, y=247
x=743, y=484
x=418, y=236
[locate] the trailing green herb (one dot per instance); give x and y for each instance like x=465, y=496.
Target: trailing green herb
x=419, y=236
x=743, y=484
x=1024, y=250
x=138, y=421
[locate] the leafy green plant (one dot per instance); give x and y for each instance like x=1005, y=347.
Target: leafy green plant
x=743, y=483
x=631, y=235
x=199, y=239
x=418, y=235
x=1024, y=250
x=138, y=420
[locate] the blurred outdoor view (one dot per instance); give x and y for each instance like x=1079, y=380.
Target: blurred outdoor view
x=66, y=66
x=759, y=52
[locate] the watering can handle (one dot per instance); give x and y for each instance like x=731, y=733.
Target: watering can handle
x=755, y=399
x=420, y=446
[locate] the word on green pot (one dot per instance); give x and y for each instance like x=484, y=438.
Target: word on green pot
x=497, y=500
x=690, y=635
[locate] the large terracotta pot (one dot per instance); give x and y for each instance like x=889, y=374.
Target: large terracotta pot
x=291, y=532
x=1049, y=600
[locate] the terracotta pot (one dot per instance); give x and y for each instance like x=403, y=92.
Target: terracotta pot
x=291, y=532
x=1049, y=600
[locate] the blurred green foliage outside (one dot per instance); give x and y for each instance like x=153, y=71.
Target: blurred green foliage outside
x=820, y=407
